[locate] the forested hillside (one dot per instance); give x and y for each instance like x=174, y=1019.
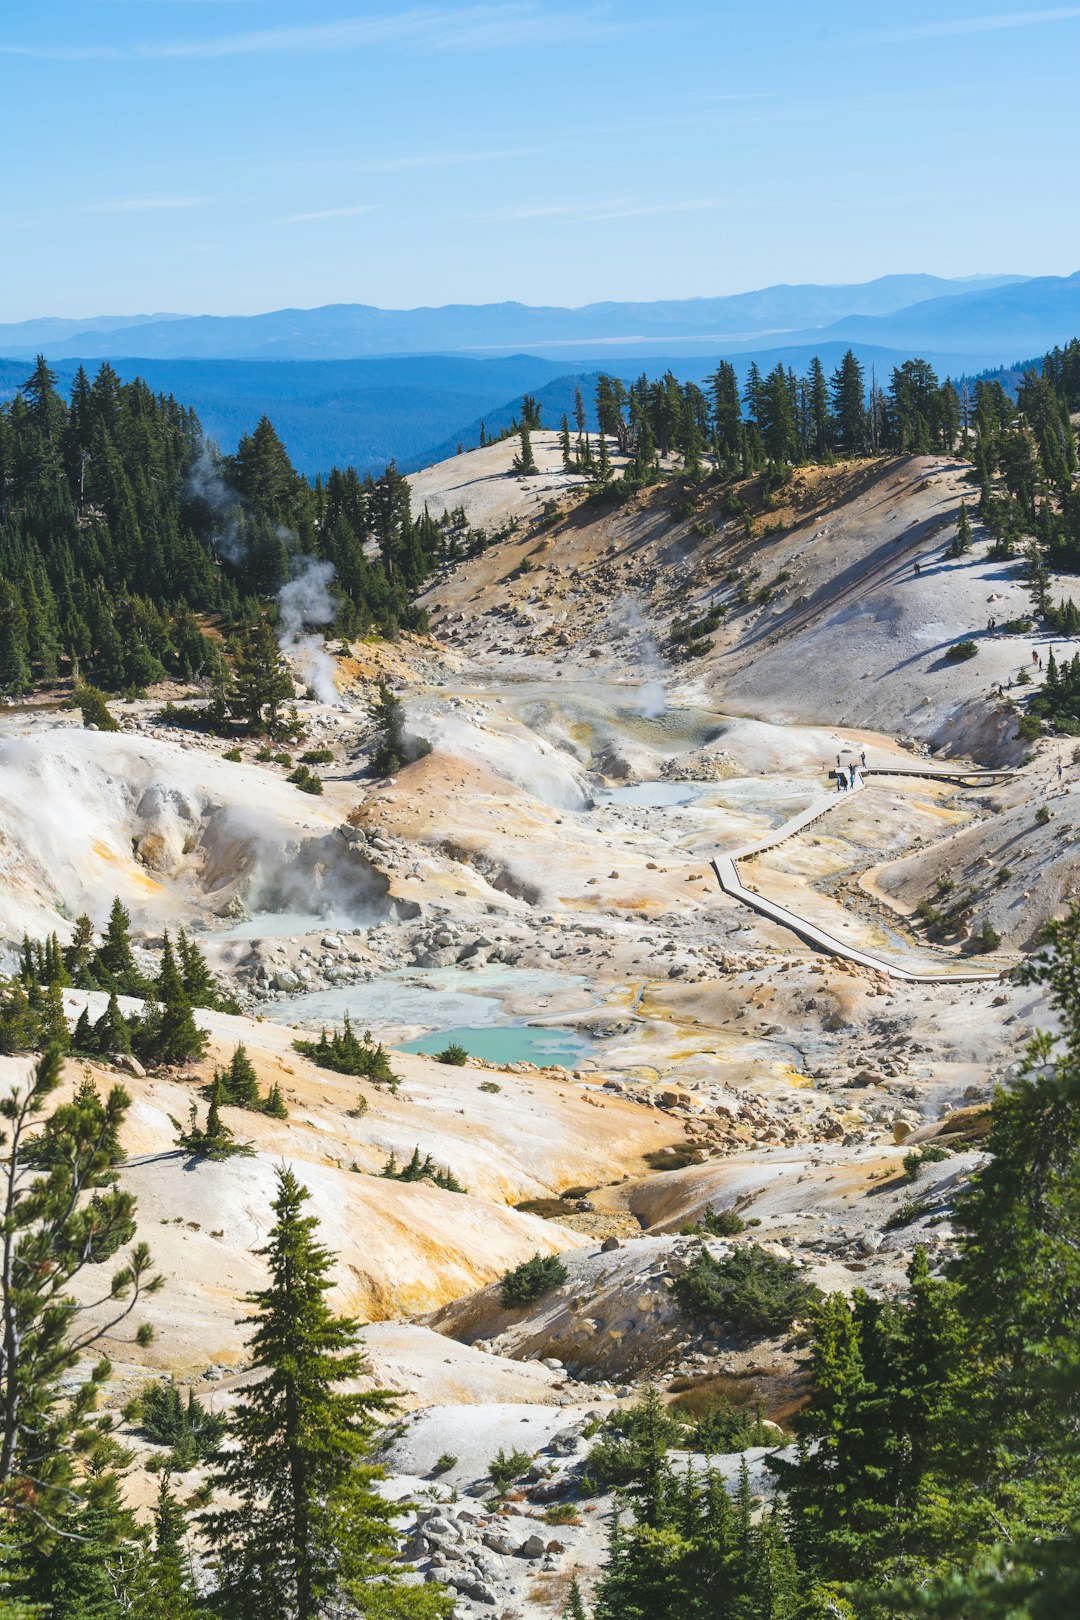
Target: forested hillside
x=123, y=532
x=121, y=529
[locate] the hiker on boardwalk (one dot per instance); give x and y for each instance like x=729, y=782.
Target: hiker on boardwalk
x=851, y=774
x=918, y=570
x=1034, y=656
x=862, y=758
x=841, y=781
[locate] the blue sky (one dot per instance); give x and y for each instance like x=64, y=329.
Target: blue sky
x=238, y=155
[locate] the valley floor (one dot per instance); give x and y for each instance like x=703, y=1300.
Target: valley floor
x=540, y=889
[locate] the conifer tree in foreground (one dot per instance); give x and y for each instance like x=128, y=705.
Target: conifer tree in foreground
x=308, y=1531
x=64, y=1214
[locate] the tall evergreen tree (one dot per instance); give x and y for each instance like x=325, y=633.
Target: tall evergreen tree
x=524, y=462
x=176, y=1036
x=849, y=405
x=308, y=1531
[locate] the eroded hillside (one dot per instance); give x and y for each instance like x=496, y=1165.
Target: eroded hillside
x=641, y=1049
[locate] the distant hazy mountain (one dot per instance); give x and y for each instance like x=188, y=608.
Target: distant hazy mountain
x=1002, y=323
x=344, y=331
x=32, y=337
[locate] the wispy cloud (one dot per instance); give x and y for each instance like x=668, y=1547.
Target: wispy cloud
x=439, y=160
x=980, y=25
x=591, y=213
x=553, y=210
x=62, y=53
x=145, y=205
x=692, y=206
x=328, y=213
x=426, y=30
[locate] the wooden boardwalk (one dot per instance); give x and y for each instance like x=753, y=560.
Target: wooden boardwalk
x=727, y=872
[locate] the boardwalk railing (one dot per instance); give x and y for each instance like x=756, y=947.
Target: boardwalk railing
x=727, y=873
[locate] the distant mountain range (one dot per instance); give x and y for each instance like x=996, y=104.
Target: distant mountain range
x=336, y=399
x=356, y=331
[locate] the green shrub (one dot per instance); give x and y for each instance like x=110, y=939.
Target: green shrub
x=421, y=1169
x=457, y=1056
x=490, y=1086
x=716, y=1223
x=914, y=1161
x=1042, y=814
x=317, y=756
x=633, y=1440
x=191, y=1431
x=755, y=1291
x=233, y=754
x=444, y=1463
x=960, y=651
x=532, y=1280
x=507, y=1466
x=94, y=709
x=344, y=1053
x=725, y=1428
x=561, y=1513
x=306, y=780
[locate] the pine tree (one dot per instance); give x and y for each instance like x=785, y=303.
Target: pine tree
x=54, y=1024
x=602, y=473
x=388, y=713
x=240, y=1082
x=849, y=405
x=820, y=421
x=176, y=1037
x=962, y=539
x=16, y=676
x=164, y=1586
x=575, y=1603
x=89, y=1571
x=524, y=463
x=564, y=445
x=78, y=956
x=52, y=1235
x=727, y=412
x=309, y=1531
x=261, y=684
x=579, y=414
x=274, y=1103
x=195, y=973
x=112, y=1032
x=114, y=963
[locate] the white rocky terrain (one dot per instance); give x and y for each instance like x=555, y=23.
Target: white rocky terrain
x=539, y=887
